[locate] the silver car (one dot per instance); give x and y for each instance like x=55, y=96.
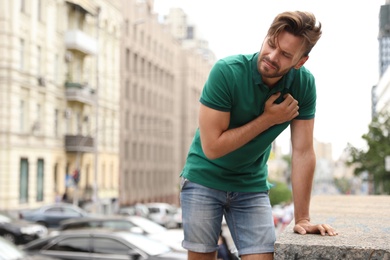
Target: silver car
x=101, y=244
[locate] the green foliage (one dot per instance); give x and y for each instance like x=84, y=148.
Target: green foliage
x=373, y=160
x=343, y=185
x=279, y=193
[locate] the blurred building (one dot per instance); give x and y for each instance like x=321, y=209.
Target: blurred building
x=381, y=91
x=60, y=100
x=96, y=92
x=162, y=80
x=279, y=168
x=384, y=38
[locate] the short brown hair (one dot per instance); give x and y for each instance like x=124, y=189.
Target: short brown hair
x=301, y=24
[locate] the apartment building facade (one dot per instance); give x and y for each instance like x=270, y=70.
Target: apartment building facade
x=59, y=86
x=159, y=102
x=96, y=92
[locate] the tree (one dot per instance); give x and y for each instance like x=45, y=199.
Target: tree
x=279, y=193
x=373, y=159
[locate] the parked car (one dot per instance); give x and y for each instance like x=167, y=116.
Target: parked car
x=85, y=244
x=135, y=210
x=163, y=214
x=134, y=224
x=19, y=231
x=9, y=251
x=178, y=218
x=51, y=215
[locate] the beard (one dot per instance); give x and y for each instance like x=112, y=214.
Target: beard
x=266, y=72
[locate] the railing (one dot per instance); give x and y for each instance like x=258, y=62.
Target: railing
x=79, y=93
x=79, y=143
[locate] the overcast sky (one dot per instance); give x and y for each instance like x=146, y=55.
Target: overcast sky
x=344, y=61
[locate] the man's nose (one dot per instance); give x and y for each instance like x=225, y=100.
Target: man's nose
x=273, y=56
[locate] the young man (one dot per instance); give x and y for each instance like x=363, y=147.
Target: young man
x=247, y=101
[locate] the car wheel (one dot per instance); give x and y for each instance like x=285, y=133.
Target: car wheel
x=10, y=237
x=42, y=223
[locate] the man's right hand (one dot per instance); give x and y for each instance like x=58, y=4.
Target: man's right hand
x=286, y=111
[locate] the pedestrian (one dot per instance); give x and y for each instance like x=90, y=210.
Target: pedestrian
x=247, y=101
x=223, y=249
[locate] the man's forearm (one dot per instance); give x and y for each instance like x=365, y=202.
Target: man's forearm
x=302, y=173
x=235, y=138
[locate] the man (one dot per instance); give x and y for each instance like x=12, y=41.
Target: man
x=247, y=101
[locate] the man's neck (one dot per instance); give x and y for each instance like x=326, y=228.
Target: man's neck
x=271, y=82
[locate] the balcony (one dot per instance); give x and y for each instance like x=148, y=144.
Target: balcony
x=79, y=143
x=78, y=92
x=80, y=41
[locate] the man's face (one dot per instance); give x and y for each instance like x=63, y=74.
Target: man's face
x=277, y=56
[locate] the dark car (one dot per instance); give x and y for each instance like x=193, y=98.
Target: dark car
x=19, y=231
x=9, y=251
x=134, y=224
x=101, y=244
x=51, y=215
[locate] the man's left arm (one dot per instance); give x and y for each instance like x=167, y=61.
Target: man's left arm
x=303, y=164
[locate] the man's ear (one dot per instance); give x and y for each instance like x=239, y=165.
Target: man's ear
x=301, y=62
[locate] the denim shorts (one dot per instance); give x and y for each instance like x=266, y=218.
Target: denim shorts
x=248, y=216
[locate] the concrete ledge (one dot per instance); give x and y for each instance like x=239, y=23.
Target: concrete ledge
x=363, y=224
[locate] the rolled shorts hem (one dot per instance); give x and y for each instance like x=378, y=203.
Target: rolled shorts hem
x=198, y=248
x=257, y=250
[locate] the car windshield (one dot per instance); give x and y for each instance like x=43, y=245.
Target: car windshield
x=148, y=226
x=4, y=218
x=146, y=244
x=9, y=251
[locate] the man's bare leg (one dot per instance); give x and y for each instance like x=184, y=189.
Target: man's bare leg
x=269, y=256
x=202, y=256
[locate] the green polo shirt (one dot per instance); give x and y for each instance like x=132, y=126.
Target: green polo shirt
x=235, y=85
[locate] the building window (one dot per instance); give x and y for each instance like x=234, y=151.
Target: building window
x=37, y=124
x=39, y=11
x=56, y=178
x=21, y=116
x=22, y=6
x=135, y=93
x=56, y=122
x=142, y=96
x=127, y=27
x=39, y=61
x=127, y=89
x=23, y=181
x=40, y=178
x=56, y=67
x=126, y=149
x=134, y=152
x=135, y=64
x=87, y=177
x=127, y=59
x=21, y=54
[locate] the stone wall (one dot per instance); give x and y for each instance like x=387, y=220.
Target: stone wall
x=363, y=224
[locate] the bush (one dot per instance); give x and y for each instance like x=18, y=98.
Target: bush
x=279, y=193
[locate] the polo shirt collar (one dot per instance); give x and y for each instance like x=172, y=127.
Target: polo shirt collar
x=284, y=82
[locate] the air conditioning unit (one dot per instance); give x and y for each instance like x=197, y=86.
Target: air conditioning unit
x=41, y=81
